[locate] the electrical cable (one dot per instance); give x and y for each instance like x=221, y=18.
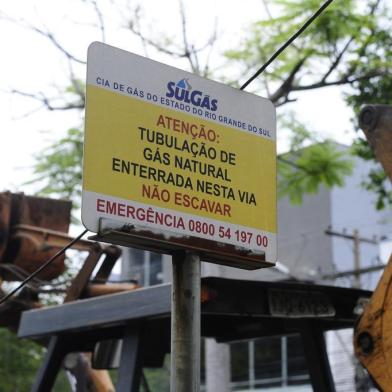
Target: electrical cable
x=250, y=80
x=287, y=43
x=43, y=266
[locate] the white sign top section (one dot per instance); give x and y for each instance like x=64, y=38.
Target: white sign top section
x=132, y=75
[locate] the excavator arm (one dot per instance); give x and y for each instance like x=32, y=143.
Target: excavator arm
x=373, y=333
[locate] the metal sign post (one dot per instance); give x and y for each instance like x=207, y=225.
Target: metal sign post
x=185, y=323
x=178, y=164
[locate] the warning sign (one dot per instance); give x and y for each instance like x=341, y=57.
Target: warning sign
x=172, y=153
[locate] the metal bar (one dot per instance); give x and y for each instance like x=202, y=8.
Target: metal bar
x=97, y=312
x=129, y=373
x=50, y=237
x=98, y=289
x=226, y=254
x=251, y=359
x=50, y=367
x=148, y=303
x=79, y=283
x=185, y=330
x=317, y=357
x=112, y=255
x=284, y=361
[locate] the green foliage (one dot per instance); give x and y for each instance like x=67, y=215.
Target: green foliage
x=311, y=162
x=59, y=168
x=376, y=184
x=304, y=171
x=349, y=44
x=158, y=379
x=19, y=362
x=314, y=52
x=375, y=54
x=377, y=181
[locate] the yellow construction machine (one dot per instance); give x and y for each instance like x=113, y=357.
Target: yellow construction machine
x=373, y=333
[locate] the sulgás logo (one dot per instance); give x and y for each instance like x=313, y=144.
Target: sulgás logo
x=182, y=91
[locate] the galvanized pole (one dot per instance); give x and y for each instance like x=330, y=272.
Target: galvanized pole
x=185, y=324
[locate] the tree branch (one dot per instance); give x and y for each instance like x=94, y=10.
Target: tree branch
x=185, y=50
x=47, y=102
x=45, y=33
x=337, y=60
x=189, y=51
x=49, y=35
x=346, y=79
x=210, y=44
x=100, y=20
x=287, y=85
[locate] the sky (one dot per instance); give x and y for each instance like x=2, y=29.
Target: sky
x=31, y=64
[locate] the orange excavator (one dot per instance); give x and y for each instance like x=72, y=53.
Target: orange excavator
x=373, y=333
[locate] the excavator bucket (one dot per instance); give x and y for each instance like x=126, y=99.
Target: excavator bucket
x=376, y=123
x=21, y=251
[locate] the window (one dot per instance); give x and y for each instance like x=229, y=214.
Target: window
x=268, y=362
x=142, y=266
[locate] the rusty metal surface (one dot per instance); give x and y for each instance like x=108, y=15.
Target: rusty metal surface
x=81, y=280
x=376, y=122
x=79, y=287
x=373, y=338
x=22, y=249
x=211, y=251
x=11, y=312
x=98, y=289
x=47, y=238
x=5, y=216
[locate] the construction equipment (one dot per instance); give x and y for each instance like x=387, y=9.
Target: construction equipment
x=32, y=230
x=19, y=247
x=231, y=310
x=373, y=338
x=24, y=246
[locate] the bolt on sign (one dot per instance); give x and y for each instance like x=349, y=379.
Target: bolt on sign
x=175, y=161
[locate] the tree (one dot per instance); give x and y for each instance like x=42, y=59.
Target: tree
x=349, y=46
x=330, y=53
x=20, y=361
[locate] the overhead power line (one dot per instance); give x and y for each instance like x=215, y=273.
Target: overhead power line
x=287, y=43
x=43, y=266
x=357, y=257
x=343, y=274
x=260, y=70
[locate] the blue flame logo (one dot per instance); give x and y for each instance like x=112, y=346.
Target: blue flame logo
x=182, y=91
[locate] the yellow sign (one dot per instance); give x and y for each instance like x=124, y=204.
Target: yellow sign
x=162, y=153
